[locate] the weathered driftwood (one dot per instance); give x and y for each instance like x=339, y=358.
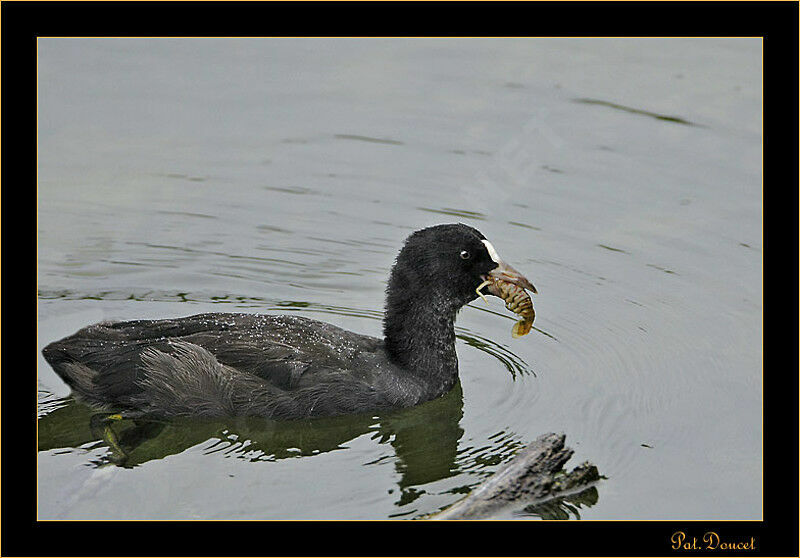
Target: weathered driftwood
x=535, y=476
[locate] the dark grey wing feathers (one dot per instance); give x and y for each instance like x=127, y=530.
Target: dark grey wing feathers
x=191, y=381
x=262, y=365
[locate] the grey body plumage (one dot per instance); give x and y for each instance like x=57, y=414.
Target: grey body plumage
x=288, y=367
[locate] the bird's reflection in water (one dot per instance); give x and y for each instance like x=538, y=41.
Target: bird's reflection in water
x=424, y=438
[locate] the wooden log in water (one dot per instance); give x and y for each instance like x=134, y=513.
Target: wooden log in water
x=535, y=476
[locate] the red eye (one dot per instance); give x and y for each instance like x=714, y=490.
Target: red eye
x=464, y=255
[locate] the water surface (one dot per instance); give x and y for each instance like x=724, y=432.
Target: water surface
x=623, y=177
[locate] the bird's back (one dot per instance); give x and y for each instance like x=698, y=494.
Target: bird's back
x=279, y=367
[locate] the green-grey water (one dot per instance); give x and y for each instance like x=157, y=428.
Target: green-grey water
x=623, y=177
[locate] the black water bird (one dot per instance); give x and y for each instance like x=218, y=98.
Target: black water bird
x=290, y=367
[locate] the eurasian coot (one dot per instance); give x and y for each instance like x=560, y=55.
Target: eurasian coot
x=289, y=367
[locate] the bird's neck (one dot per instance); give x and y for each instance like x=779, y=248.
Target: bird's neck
x=420, y=337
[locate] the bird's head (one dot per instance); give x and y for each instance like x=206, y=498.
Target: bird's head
x=451, y=260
